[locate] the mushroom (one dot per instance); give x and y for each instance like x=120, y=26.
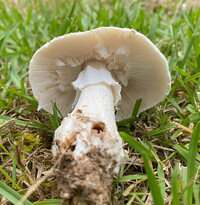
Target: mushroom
x=92, y=74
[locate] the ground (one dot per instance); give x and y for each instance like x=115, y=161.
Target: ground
x=162, y=143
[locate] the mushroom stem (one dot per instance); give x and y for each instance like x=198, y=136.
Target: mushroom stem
x=89, y=141
x=97, y=101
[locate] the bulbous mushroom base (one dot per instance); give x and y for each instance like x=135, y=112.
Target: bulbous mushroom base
x=90, y=154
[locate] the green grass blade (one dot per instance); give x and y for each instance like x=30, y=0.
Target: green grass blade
x=135, y=110
x=181, y=72
x=139, y=200
x=154, y=187
x=190, y=93
x=161, y=130
x=175, y=186
x=196, y=193
x=192, y=77
x=130, y=177
x=174, y=37
x=135, y=144
x=67, y=21
x=14, y=170
x=152, y=30
x=49, y=202
x=22, y=123
x=14, y=160
x=183, y=194
x=72, y=9
x=11, y=194
x=161, y=181
x=9, y=32
x=133, y=116
x=192, y=152
x=54, y=119
x=184, y=153
x=187, y=51
x=9, y=178
x=175, y=104
x=100, y=5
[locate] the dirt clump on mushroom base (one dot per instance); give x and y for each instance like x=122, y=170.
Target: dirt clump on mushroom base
x=85, y=183
x=86, y=167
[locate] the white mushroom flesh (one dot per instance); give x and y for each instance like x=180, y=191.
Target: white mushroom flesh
x=98, y=95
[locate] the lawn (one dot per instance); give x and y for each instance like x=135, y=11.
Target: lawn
x=163, y=143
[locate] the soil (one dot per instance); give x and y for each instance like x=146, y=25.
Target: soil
x=85, y=182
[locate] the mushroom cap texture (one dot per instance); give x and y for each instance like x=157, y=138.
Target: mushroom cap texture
x=133, y=60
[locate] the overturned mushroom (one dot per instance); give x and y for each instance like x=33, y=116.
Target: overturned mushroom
x=91, y=74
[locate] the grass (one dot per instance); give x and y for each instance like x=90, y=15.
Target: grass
x=162, y=143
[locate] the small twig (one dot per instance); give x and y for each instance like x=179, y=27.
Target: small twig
x=163, y=148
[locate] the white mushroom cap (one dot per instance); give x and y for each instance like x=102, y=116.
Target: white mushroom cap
x=133, y=60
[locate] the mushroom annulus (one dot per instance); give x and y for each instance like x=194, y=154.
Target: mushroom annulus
x=91, y=75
